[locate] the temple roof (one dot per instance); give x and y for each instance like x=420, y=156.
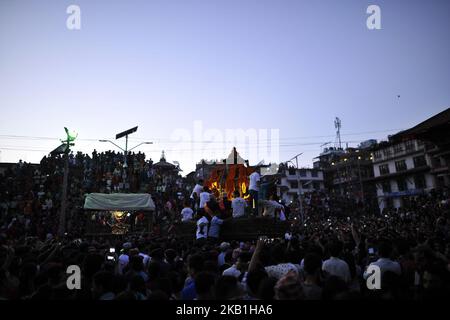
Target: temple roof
x=234, y=157
x=163, y=163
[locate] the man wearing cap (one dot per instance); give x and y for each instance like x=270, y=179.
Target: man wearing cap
x=224, y=246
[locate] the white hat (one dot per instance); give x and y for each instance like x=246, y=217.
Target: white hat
x=224, y=246
x=127, y=245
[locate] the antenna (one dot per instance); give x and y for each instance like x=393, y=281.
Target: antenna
x=337, y=125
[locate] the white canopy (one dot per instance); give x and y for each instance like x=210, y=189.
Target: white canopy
x=119, y=201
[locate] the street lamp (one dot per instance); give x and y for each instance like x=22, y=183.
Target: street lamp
x=140, y=144
x=113, y=144
x=125, y=151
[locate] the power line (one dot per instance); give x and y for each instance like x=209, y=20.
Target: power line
x=225, y=144
x=21, y=149
x=165, y=140
x=197, y=149
x=285, y=138
x=248, y=146
x=17, y=137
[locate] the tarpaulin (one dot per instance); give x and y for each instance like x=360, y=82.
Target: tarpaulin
x=119, y=201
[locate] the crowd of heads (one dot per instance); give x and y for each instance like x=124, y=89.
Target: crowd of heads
x=30, y=195
x=323, y=256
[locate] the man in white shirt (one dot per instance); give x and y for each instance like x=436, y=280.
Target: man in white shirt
x=384, y=262
x=253, y=188
x=214, y=228
x=238, y=205
x=232, y=271
x=202, y=228
x=145, y=259
x=124, y=258
x=335, y=266
x=205, y=196
x=271, y=206
x=198, y=188
x=187, y=213
x=240, y=268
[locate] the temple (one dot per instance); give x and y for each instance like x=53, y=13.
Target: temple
x=229, y=175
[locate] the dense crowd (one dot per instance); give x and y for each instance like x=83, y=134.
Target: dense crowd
x=323, y=256
x=30, y=195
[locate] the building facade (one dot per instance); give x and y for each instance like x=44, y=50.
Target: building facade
x=292, y=181
x=413, y=162
x=434, y=131
x=401, y=169
x=349, y=173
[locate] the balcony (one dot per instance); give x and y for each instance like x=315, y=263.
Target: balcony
x=396, y=152
x=399, y=174
x=439, y=169
x=405, y=193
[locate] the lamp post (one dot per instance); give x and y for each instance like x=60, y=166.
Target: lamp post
x=121, y=135
x=64, y=149
x=299, y=186
x=125, y=151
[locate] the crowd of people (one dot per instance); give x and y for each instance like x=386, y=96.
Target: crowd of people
x=324, y=255
x=30, y=195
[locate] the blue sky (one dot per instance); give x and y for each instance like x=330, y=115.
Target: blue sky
x=286, y=65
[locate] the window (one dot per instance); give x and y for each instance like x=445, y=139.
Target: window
x=387, y=152
x=314, y=173
x=409, y=145
x=316, y=185
x=386, y=185
x=401, y=185
x=292, y=171
x=419, y=161
x=400, y=166
x=377, y=154
x=384, y=169
x=294, y=184
x=302, y=173
x=398, y=148
x=419, y=182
